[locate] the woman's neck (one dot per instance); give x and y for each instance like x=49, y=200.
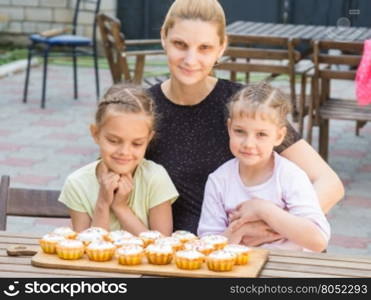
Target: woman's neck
x=258, y=174
x=188, y=94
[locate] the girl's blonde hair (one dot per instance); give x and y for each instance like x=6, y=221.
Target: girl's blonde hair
x=126, y=98
x=204, y=10
x=263, y=99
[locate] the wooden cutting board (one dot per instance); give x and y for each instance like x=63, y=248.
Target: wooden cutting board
x=258, y=258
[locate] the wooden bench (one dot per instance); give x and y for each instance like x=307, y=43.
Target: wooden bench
x=29, y=203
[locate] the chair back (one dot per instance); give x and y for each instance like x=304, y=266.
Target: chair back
x=92, y=6
x=29, y=202
x=114, y=46
x=262, y=54
x=338, y=64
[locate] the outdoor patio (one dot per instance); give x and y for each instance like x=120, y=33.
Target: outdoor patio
x=39, y=148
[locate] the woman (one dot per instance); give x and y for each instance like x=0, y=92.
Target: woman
x=192, y=138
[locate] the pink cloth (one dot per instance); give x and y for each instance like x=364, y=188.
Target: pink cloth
x=363, y=76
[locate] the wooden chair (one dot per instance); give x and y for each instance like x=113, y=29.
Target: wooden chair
x=272, y=55
x=115, y=49
x=324, y=106
x=28, y=202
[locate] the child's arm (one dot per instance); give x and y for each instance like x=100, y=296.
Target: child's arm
x=108, y=182
x=213, y=218
x=80, y=220
x=161, y=218
x=297, y=229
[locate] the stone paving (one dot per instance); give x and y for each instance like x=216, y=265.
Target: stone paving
x=39, y=148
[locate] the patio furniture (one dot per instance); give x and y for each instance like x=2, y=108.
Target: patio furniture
x=325, y=106
x=305, y=34
x=29, y=203
x=115, y=47
x=65, y=45
x=281, y=264
x=273, y=55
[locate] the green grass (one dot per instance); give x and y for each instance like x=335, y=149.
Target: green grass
x=8, y=55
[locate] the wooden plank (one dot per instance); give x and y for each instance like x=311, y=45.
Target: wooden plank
x=320, y=256
x=325, y=263
x=35, y=270
x=256, y=53
x=258, y=258
x=351, y=60
x=313, y=269
x=269, y=273
x=13, y=274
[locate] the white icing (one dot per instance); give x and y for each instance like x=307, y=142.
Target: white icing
x=119, y=234
x=183, y=234
x=222, y=254
x=64, y=231
x=156, y=248
x=100, y=245
x=214, y=239
x=234, y=248
x=129, y=250
x=51, y=237
x=129, y=241
x=89, y=236
x=198, y=245
x=171, y=241
x=151, y=234
x=191, y=254
x=71, y=244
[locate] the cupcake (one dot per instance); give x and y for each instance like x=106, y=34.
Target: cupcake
x=241, y=252
x=220, y=261
x=173, y=242
x=189, y=259
x=92, y=234
x=184, y=236
x=218, y=241
x=49, y=242
x=100, y=250
x=159, y=254
x=66, y=232
x=129, y=241
x=150, y=236
x=130, y=255
x=70, y=249
x=200, y=246
x=118, y=234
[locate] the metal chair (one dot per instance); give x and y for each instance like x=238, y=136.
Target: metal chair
x=71, y=45
x=28, y=202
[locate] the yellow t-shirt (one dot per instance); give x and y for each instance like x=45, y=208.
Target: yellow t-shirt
x=151, y=186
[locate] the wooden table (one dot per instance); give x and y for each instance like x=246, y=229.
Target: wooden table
x=302, y=32
x=280, y=264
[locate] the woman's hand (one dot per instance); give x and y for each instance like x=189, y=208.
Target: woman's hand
x=125, y=186
x=248, y=211
x=257, y=233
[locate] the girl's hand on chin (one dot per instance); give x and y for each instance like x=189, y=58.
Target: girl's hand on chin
x=109, y=183
x=125, y=186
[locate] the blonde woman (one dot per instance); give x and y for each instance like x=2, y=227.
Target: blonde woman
x=192, y=139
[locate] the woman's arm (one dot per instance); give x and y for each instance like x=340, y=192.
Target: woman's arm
x=328, y=186
x=161, y=218
x=297, y=229
x=128, y=220
x=80, y=220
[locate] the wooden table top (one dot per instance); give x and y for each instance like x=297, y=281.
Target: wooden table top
x=280, y=263
x=303, y=32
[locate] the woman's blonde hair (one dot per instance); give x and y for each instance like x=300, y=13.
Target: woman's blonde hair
x=263, y=99
x=204, y=10
x=126, y=98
